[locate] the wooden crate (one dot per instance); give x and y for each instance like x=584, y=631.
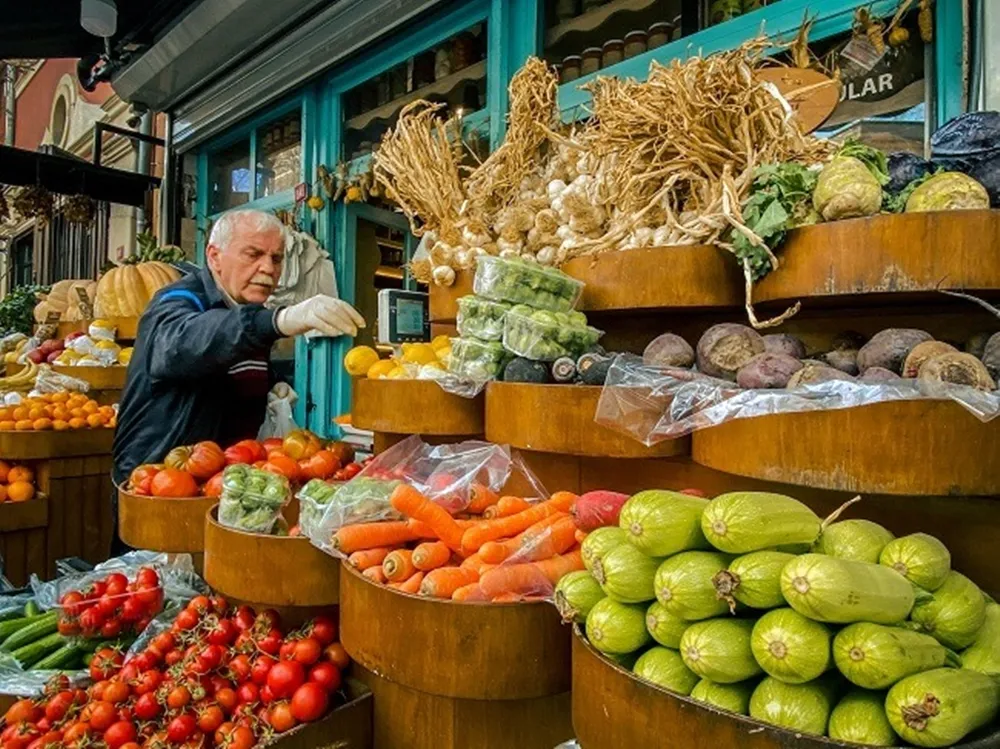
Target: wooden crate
x=22, y=538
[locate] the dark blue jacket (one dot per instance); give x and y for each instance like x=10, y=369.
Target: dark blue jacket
x=199, y=372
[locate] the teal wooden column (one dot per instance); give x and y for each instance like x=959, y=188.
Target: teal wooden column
x=515, y=32
x=950, y=93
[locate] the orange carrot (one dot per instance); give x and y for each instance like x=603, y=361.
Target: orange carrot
x=491, y=530
x=507, y=506
x=580, y=536
x=375, y=574
x=532, y=579
x=398, y=565
x=480, y=497
x=362, y=560
x=474, y=562
x=470, y=592
x=558, y=566
x=552, y=539
x=564, y=500
x=431, y=555
x=494, y=552
x=352, y=538
x=410, y=584
x=411, y=503
x=444, y=581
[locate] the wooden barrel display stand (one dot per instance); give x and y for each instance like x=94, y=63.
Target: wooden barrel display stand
x=281, y=572
x=175, y=526
x=414, y=407
x=72, y=516
x=457, y=675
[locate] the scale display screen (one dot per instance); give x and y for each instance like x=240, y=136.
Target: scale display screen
x=403, y=316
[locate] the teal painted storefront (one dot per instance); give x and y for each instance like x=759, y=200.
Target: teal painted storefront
x=515, y=30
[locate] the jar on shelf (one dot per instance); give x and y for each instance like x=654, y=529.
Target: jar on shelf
x=590, y=62
x=566, y=10
x=442, y=63
x=423, y=69
x=571, y=68
x=612, y=53
x=463, y=50
x=659, y=34
x=589, y=5
x=636, y=42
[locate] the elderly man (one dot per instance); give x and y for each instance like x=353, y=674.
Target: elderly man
x=200, y=366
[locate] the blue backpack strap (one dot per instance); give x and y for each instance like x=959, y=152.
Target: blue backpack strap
x=184, y=294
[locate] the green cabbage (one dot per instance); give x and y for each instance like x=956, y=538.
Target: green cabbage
x=683, y=584
x=661, y=523
x=754, y=580
x=940, y=707
x=984, y=654
x=846, y=189
x=626, y=574
x=920, y=558
x=740, y=522
x=790, y=647
x=874, y=656
x=665, y=668
x=860, y=718
x=617, y=628
x=858, y=540
x=598, y=543
x=576, y=594
x=948, y=191
x=719, y=650
x=954, y=613
x=798, y=707
x=732, y=697
x=664, y=627
x=840, y=591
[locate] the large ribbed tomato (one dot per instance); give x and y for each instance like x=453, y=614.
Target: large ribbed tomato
x=202, y=460
x=173, y=482
x=320, y=466
x=300, y=444
x=141, y=479
x=213, y=488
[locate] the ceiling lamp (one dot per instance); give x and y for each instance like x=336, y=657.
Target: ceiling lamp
x=99, y=17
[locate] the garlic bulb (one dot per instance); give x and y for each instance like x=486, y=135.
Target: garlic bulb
x=451, y=236
x=555, y=188
x=504, y=246
x=562, y=254
x=444, y=275
x=522, y=217
x=564, y=232
x=509, y=253
x=547, y=221
x=534, y=240
x=474, y=238
x=558, y=207
x=511, y=233
x=643, y=236
x=462, y=260
x=546, y=255
x=441, y=253
x=661, y=236
x=528, y=257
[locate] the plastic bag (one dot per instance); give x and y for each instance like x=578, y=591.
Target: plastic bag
x=652, y=404
x=49, y=381
x=102, y=330
x=9, y=342
x=252, y=499
x=547, y=336
x=279, y=419
x=481, y=318
x=523, y=282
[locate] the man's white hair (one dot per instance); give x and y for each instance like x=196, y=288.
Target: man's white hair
x=222, y=230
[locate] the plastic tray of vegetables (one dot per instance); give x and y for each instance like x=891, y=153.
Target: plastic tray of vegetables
x=522, y=282
x=252, y=499
x=545, y=336
x=479, y=360
x=481, y=318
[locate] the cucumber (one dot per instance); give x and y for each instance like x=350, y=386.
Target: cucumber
x=39, y=627
x=14, y=612
x=66, y=657
x=29, y=654
x=31, y=608
x=11, y=627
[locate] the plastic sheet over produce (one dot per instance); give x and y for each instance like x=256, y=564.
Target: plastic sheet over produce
x=652, y=404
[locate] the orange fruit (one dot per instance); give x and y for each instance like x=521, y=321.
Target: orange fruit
x=8, y=425
x=60, y=425
x=20, y=413
x=61, y=397
x=20, y=473
x=6, y=413
x=4, y=470
x=90, y=408
x=77, y=413
x=41, y=425
x=77, y=422
x=95, y=420
x=23, y=425
x=60, y=412
x=113, y=422
x=3, y=492
x=36, y=412
x=20, y=491
x=46, y=397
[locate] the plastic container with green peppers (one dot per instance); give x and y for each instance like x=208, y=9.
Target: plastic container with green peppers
x=479, y=360
x=252, y=499
x=481, y=318
x=522, y=282
x=546, y=336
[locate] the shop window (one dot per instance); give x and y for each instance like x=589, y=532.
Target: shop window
x=452, y=73
x=229, y=177
x=279, y=155
x=380, y=258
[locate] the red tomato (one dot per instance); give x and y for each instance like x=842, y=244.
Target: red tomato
x=244, y=618
x=146, y=707
x=227, y=699
x=209, y=657
x=102, y=715
x=117, y=583
x=23, y=710
x=285, y=677
x=280, y=717
x=271, y=642
x=322, y=465
x=165, y=642
x=116, y=692
x=147, y=576
x=283, y=466
x=266, y=695
x=235, y=737
x=240, y=454
x=222, y=632
x=270, y=445
x=210, y=718
x=326, y=675
x=143, y=661
x=336, y=654
x=49, y=740
x=181, y=728
x=286, y=650
x=148, y=681
x=72, y=603
x=201, y=605
x=105, y=663
x=133, y=609
x=239, y=668
x=174, y=483
x=257, y=451
x=306, y=651
x=91, y=620
x=173, y=657
x=323, y=629
x=309, y=702
x=219, y=605
x=187, y=619
x=118, y=734
x=247, y=693
x=111, y=628
x=178, y=697
x=141, y=478
x=57, y=707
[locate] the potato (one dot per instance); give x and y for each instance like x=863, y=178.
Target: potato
x=723, y=349
x=782, y=343
x=976, y=344
x=991, y=356
x=921, y=353
x=768, y=370
x=889, y=348
x=874, y=375
x=849, y=340
x=844, y=359
x=668, y=350
x=811, y=374
x=958, y=368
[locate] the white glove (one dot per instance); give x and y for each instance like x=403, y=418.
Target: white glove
x=320, y=315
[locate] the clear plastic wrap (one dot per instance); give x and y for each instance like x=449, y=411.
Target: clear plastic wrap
x=546, y=336
x=523, y=282
x=481, y=318
x=252, y=499
x=476, y=360
x=49, y=381
x=652, y=404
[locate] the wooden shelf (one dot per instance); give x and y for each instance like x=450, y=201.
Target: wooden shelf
x=444, y=299
x=904, y=254
x=560, y=419
x=43, y=445
x=23, y=516
x=163, y=524
x=414, y=407
x=920, y=447
x=593, y=19
x=440, y=87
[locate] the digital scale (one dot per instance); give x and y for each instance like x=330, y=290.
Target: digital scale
x=403, y=317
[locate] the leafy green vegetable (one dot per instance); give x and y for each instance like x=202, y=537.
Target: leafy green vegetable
x=897, y=203
x=876, y=160
x=17, y=309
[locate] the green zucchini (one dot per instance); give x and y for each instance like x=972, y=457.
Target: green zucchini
x=29, y=654
x=66, y=657
x=10, y=628
x=31, y=608
x=39, y=627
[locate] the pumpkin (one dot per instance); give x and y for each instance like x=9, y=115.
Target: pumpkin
x=202, y=460
x=140, y=482
x=320, y=466
x=174, y=483
x=125, y=291
x=42, y=310
x=300, y=444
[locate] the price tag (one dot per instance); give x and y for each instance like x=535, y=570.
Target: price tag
x=301, y=192
x=52, y=318
x=86, y=307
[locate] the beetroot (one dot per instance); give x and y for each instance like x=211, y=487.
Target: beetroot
x=598, y=509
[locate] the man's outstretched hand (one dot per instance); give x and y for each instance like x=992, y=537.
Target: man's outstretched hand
x=320, y=315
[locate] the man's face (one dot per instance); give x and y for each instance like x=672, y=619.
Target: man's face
x=249, y=267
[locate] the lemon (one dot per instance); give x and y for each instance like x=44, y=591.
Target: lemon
x=440, y=342
x=443, y=353
x=381, y=368
x=125, y=355
x=399, y=373
x=420, y=353
x=359, y=360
